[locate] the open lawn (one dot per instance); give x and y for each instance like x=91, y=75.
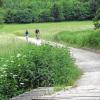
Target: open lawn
x=48, y=30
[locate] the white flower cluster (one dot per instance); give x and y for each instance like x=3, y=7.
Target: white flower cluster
x=18, y=55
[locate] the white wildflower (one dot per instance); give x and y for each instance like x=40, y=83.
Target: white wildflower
x=12, y=61
x=11, y=73
x=15, y=75
x=4, y=65
x=19, y=65
x=18, y=55
x=21, y=83
x=2, y=75
x=4, y=71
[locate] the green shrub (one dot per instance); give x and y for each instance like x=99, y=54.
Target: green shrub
x=57, y=12
x=1, y=16
x=80, y=38
x=94, y=39
x=23, y=16
x=18, y=16
x=97, y=19
x=34, y=67
x=45, y=16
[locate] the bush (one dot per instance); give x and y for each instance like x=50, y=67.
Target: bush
x=57, y=12
x=9, y=16
x=1, y=16
x=23, y=16
x=96, y=19
x=94, y=39
x=34, y=67
x=76, y=10
x=45, y=16
x=18, y=16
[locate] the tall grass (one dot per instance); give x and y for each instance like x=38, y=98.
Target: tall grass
x=47, y=30
x=87, y=38
x=9, y=45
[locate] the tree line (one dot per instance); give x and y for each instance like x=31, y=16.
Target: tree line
x=28, y=11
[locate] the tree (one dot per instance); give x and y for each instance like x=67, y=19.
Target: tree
x=1, y=13
x=57, y=13
x=98, y=1
x=93, y=7
x=67, y=10
x=97, y=17
x=45, y=16
x=1, y=16
x=23, y=16
x=1, y=3
x=19, y=16
x=9, y=16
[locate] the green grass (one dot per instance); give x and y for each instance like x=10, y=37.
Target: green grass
x=48, y=30
x=9, y=45
x=87, y=38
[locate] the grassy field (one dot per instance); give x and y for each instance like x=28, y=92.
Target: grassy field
x=9, y=45
x=48, y=30
x=83, y=39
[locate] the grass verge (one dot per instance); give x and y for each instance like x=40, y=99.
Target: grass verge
x=87, y=38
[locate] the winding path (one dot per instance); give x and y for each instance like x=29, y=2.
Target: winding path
x=88, y=86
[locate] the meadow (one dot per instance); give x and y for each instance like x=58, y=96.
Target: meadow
x=48, y=30
x=71, y=33
x=9, y=45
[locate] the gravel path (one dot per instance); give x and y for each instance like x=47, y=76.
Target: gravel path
x=88, y=86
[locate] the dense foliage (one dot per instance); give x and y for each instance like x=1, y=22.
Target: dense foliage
x=97, y=16
x=32, y=66
x=97, y=19
x=27, y=11
x=80, y=38
x=1, y=3
x=1, y=12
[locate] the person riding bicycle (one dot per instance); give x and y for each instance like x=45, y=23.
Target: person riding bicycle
x=26, y=35
x=37, y=33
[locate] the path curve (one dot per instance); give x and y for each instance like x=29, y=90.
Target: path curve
x=88, y=87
